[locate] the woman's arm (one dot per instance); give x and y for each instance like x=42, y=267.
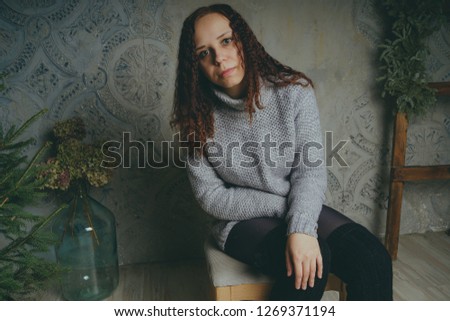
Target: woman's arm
x=307, y=194
x=228, y=202
x=308, y=178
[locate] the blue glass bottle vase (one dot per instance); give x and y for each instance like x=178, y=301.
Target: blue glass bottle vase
x=87, y=249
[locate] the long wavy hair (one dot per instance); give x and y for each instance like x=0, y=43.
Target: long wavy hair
x=194, y=100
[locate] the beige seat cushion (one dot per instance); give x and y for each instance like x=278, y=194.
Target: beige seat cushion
x=226, y=271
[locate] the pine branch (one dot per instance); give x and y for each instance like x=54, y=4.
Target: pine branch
x=27, y=171
x=16, y=146
x=21, y=269
x=21, y=241
x=17, y=133
x=32, y=164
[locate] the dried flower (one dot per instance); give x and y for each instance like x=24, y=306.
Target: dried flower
x=74, y=161
x=70, y=128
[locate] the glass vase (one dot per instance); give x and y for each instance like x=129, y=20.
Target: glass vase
x=87, y=249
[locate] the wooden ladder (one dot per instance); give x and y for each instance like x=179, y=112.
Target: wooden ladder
x=401, y=174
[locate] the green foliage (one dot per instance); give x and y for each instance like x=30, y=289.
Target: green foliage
x=22, y=269
x=404, y=52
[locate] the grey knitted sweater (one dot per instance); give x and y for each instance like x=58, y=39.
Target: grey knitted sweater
x=271, y=167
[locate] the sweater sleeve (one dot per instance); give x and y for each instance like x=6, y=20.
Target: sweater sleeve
x=308, y=176
x=227, y=202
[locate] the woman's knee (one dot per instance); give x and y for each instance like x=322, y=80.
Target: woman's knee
x=330, y=220
x=361, y=260
x=373, y=250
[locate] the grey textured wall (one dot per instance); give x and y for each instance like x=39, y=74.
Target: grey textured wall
x=113, y=63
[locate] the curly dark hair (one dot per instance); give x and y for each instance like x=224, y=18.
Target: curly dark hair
x=193, y=99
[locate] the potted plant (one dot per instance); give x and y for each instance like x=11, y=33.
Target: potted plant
x=87, y=245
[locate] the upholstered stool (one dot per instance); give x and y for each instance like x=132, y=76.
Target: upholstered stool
x=232, y=280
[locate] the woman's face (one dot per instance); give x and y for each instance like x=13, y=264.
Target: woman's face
x=218, y=54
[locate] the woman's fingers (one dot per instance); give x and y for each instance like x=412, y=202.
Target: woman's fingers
x=298, y=277
x=304, y=270
x=303, y=259
x=319, y=267
x=312, y=273
x=288, y=264
x=306, y=274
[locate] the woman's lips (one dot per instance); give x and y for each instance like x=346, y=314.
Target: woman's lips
x=227, y=72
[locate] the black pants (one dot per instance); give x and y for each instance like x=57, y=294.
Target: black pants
x=348, y=250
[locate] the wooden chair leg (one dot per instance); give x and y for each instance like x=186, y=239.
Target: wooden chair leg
x=336, y=284
x=222, y=293
x=342, y=292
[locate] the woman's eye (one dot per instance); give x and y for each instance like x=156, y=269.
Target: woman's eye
x=203, y=54
x=226, y=41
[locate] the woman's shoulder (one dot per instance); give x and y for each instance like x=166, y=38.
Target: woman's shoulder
x=298, y=90
x=288, y=101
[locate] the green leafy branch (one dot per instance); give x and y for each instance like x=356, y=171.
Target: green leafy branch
x=22, y=269
x=404, y=52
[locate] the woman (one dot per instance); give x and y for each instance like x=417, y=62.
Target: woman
x=256, y=164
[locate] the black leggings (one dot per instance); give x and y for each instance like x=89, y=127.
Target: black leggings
x=348, y=250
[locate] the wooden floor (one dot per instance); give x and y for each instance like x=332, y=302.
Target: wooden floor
x=422, y=269
x=421, y=272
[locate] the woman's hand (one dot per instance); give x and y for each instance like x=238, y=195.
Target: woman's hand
x=303, y=258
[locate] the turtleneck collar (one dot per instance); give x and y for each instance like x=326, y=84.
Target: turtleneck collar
x=236, y=103
x=239, y=103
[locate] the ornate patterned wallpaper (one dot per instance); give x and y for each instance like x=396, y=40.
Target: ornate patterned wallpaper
x=112, y=62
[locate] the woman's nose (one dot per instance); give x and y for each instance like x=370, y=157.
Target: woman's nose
x=219, y=57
